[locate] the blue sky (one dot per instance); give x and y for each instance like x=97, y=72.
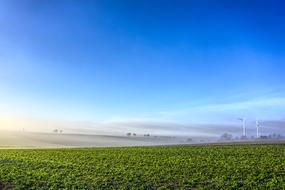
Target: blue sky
x=120, y=61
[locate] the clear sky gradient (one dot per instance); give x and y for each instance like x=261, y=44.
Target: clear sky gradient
x=147, y=64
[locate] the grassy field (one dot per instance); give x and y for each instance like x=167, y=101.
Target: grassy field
x=169, y=167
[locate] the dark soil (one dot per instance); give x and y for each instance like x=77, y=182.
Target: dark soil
x=5, y=186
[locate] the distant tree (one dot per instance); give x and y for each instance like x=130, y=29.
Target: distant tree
x=274, y=136
x=134, y=134
x=243, y=137
x=61, y=131
x=226, y=136
x=189, y=140
x=146, y=135
x=263, y=137
x=129, y=134
x=55, y=130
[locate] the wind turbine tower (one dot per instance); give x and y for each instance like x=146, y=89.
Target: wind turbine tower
x=243, y=125
x=257, y=125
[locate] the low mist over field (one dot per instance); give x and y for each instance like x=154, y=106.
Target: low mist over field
x=14, y=139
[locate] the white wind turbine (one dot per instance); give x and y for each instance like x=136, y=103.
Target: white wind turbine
x=257, y=125
x=243, y=125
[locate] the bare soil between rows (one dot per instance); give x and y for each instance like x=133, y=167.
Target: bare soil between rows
x=5, y=186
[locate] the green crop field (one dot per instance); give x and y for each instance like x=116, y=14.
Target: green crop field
x=170, y=167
